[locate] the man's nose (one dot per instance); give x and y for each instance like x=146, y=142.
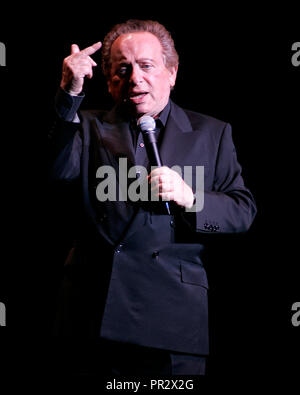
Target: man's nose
x=135, y=76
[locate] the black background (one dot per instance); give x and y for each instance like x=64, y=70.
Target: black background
x=235, y=66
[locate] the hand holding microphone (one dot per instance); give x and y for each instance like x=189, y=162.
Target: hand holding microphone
x=166, y=183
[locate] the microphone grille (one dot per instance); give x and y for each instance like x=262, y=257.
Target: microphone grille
x=146, y=123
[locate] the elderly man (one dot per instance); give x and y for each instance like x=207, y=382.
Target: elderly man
x=135, y=278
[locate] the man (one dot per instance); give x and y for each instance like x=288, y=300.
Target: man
x=135, y=278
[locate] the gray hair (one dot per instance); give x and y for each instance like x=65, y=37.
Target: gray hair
x=170, y=55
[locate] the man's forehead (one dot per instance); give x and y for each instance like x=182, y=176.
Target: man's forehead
x=143, y=43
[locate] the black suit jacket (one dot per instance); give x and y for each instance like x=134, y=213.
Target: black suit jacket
x=136, y=274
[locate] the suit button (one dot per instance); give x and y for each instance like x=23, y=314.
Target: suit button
x=172, y=223
x=155, y=254
x=103, y=217
x=119, y=247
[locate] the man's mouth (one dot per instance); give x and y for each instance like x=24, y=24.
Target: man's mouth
x=137, y=97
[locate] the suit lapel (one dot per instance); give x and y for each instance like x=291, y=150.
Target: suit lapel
x=174, y=149
x=116, y=139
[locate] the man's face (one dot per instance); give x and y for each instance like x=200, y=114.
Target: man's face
x=138, y=73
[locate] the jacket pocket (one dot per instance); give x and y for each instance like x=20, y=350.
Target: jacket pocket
x=192, y=273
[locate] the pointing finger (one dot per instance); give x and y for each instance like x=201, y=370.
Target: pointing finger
x=74, y=49
x=92, y=49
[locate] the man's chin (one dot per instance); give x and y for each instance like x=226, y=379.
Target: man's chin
x=140, y=109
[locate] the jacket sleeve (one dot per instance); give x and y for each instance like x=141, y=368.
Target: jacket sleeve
x=229, y=207
x=65, y=143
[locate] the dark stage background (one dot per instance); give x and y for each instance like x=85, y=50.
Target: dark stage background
x=236, y=67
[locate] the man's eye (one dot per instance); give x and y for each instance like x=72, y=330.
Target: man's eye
x=122, y=70
x=146, y=66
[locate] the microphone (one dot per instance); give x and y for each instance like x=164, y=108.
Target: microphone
x=147, y=126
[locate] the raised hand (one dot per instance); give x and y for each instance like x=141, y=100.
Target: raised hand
x=76, y=67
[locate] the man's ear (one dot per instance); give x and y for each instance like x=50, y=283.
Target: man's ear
x=172, y=75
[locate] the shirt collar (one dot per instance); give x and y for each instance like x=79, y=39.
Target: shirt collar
x=163, y=116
